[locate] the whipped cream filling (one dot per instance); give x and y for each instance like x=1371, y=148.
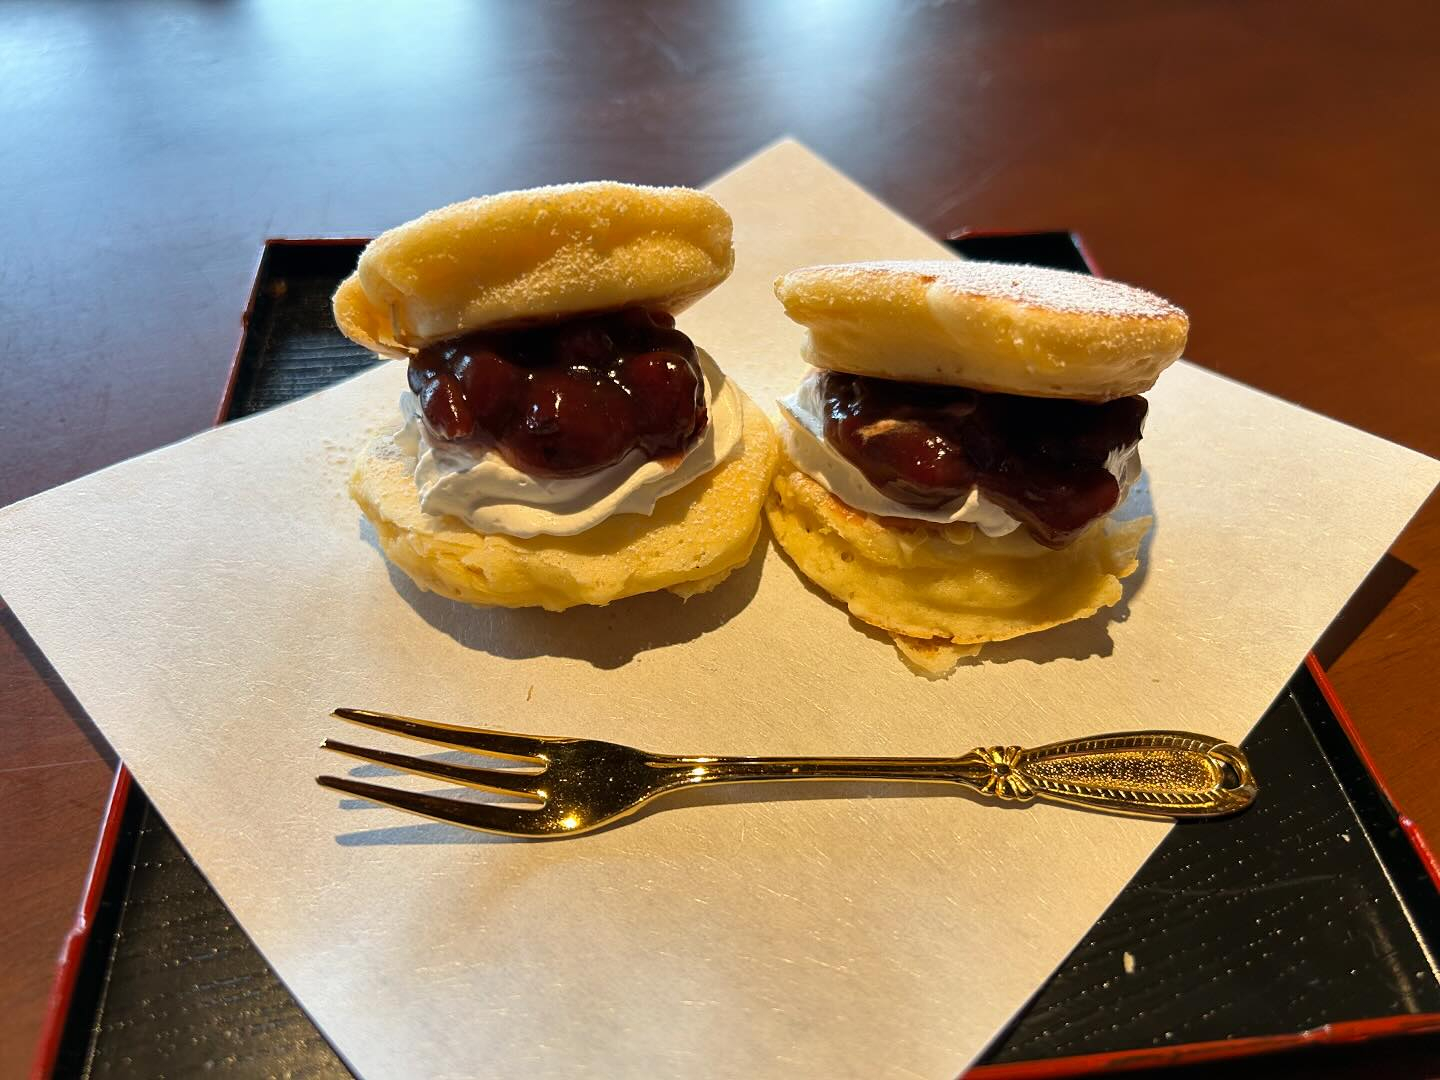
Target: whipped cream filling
x=492, y=496
x=804, y=439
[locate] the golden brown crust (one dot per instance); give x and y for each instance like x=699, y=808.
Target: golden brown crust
x=946, y=585
x=361, y=323
x=523, y=256
x=695, y=537
x=935, y=657
x=996, y=327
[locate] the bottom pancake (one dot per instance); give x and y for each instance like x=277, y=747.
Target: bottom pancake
x=692, y=541
x=943, y=590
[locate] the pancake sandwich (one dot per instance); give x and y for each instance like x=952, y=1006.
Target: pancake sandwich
x=561, y=442
x=953, y=459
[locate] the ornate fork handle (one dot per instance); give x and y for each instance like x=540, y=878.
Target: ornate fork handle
x=1165, y=774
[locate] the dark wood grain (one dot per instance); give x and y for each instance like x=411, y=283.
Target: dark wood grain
x=1271, y=166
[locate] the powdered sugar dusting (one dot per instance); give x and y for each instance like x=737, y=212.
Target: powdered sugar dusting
x=520, y=256
x=1034, y=286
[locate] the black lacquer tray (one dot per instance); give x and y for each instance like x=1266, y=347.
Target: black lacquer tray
x=1299, y=936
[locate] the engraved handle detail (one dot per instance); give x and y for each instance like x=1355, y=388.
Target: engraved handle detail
x=1169, y=774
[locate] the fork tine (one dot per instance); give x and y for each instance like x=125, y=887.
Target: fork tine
x=502, y=783
x=486, y=817
x=495, y=743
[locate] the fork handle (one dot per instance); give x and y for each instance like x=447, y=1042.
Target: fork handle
x=1162, y=774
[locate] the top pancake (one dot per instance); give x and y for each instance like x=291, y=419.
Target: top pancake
x=526, y=256
x=996, y=327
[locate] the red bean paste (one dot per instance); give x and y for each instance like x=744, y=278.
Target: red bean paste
x=566, y=398
x=1041, y=460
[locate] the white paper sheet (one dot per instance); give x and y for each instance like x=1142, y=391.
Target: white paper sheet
x=210, y=602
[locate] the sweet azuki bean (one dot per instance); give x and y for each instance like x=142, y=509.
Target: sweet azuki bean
x=569, y=397
x=1042, y=460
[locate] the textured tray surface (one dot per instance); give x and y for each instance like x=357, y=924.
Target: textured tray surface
x=1276, y=921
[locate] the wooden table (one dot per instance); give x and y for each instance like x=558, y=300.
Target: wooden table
x=1271, y=166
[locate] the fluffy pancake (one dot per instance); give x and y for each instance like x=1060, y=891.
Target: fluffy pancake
x=524, y=256
x=942, y=590
x=991, y=326
x=692, y=541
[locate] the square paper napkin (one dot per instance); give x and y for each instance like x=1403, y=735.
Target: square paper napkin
x=209, y=604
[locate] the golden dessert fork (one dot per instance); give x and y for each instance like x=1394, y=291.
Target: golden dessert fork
x=572, y=786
